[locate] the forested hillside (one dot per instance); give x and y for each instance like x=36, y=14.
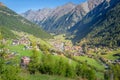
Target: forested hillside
x=9, y=20
x=100, y=27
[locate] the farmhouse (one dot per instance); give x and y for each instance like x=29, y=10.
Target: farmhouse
x=24, y=61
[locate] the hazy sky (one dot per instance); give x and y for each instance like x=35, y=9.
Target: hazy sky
x=23, y=5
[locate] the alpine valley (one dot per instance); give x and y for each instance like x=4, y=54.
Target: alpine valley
x=69, y=42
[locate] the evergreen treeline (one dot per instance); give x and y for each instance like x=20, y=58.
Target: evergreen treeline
x=108, y=32
x=101, y=26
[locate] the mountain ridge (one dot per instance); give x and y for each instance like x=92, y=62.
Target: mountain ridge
x=63, y=18
x=10, y=20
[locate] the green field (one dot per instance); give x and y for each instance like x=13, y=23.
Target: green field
x=110, y=54
x=90, y=61
x=93, y=63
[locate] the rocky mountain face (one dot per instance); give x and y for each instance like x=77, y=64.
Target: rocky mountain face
x=56, y=21
x=93, y=3
x=62, y=10
x=100, y=26
x=37, y=16
x=62, y=18
x=45, y=13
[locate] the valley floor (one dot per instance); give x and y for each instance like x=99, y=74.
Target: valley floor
x=92, y=59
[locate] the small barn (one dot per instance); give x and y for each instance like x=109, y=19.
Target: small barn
x=24, y=61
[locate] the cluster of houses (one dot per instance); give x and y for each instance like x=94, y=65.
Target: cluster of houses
x=57, y=45
x=65, y=46
x=24, y=40
x=10, y=54
x=77, y=50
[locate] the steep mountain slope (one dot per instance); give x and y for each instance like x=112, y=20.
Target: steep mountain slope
x=55, y=22
x=93, y=3
x=62, y=18
x=9, y=20
x=66, y=21
x=100, y=26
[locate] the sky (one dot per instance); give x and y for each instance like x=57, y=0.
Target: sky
x=20, y=6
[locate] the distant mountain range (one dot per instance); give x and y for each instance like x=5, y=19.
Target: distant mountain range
x=11, y=21
x=94, y=22
x=62, y=18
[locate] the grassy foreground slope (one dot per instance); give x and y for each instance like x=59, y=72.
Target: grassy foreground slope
x=44, y=77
